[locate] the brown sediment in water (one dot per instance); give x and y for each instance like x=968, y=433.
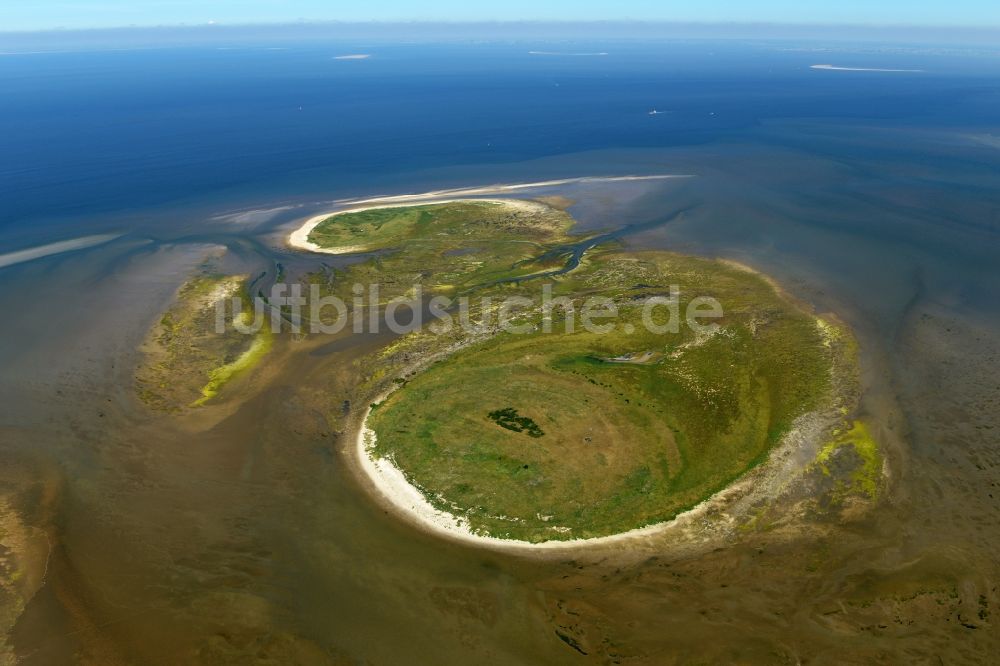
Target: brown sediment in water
x=250, y=538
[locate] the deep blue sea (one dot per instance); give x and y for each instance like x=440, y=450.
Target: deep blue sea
x=93, y=132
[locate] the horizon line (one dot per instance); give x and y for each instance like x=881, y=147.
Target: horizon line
x=209, y=25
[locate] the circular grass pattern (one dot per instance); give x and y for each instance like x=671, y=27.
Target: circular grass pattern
x=554, y=436
x=571, y=434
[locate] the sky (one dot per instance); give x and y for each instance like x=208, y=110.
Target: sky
x=19, y=15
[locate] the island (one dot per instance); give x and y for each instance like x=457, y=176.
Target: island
x=552, y=434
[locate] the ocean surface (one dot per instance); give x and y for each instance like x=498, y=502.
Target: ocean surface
x=874, y=195
x=83, y=133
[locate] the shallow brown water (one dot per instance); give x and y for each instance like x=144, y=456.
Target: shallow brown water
x=243, y=535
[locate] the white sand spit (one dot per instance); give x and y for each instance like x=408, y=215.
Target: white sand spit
x=861, y=69
x=40, y=251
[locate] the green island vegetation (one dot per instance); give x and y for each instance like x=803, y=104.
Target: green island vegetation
x=866, y=473
x=449, y=248
x=380, y=228
x=186, y=363
x=586, y=434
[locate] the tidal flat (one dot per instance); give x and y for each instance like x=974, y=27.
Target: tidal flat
x=240, y=531
x=213, y=482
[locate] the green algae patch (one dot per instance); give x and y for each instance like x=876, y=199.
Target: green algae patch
x=248, y=360
x=866, y=468
x=187, y=359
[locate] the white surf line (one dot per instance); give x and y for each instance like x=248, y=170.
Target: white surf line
x=563, y=53
x=835, y=68
x=503, y=188
x=252, y=215
x=40, y=251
